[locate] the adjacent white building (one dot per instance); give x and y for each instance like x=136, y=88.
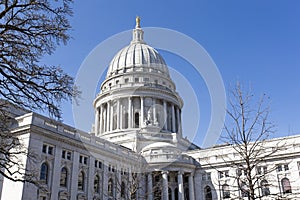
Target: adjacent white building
x=136, y=149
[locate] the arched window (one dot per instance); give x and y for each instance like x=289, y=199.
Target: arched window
x=81, y=181
x=207, y=193
x=265, y=191
x=44, y=174
x=97, y=184
x=123, y=188
x=136, y=120
x=110, y=189
x=225, y=191
x=63, y=177
x=286, y=186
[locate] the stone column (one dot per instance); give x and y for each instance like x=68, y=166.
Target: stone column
x=178, y=120
x=111, y=116
x=101, y=119
x=142, y=112
x=180, y=186
x=56, y=172
x=105, y=181
x=173, y=194
x=104, y=119
x=74, y=176
x=165, y=187
x=154, y=111
x=107, y=116
x=90, y=178
x=149, y=186
x=118, y=183
x=165, y=116
x=191, y=186
x=97, y=121
x=173, y=118
x=129, y=112
x=118, y=114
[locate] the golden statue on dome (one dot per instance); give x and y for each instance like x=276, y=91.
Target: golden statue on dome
x=138, y=21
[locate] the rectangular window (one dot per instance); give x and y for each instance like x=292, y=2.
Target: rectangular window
x=126, y=80
x=286, y=167
x=146, y=79
x=48, y=149
x=83, y=159
x=65, y=154
x=136, y=80
x=223, y=174
x=279, y=168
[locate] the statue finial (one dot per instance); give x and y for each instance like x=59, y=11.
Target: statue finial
x=137, y=20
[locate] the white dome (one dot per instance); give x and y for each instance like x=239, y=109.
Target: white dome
x=137, y=55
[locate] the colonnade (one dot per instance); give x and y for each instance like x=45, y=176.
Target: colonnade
x=166, y=192
x=131, y=112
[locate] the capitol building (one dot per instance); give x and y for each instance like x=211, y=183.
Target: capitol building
x=137, y=148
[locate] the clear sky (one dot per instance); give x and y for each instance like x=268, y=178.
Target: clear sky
x=256, y=42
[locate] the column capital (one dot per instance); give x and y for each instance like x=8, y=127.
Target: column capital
x=180, y=172
x=164, y=172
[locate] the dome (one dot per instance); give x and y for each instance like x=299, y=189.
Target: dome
x=137, y=56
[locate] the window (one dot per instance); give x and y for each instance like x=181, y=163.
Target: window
x=146, y=79
x=83, y=159
x=136, y=119
x=65, y=154
x=48, y=149
x=265, y=191
x=110, y=187
x=81, y=181
x=44, y=173
x=98, y=164
x=97, y=184
x=206, y=176
x=136, y=80
x=117, y=82
x=223, y=174
x=286, y=186
x=207, y=193
x=261, y=170
x=63, y=177
x=225, y=191
x=282, y=167
x=241, y=172
x=123, y=187
x=126, y=80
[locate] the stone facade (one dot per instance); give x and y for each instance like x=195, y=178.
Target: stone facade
x=136, y=149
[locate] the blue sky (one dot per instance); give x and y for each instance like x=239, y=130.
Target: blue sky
x=256, y=42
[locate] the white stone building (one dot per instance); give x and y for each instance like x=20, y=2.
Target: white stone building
x=137, y=149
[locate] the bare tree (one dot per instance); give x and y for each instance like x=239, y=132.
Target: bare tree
x=29, y=30
x=247, y=129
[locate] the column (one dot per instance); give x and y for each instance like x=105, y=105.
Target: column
x=90, y=178
x=154, y=111
x=129, y=112
x=111, y=116
x=149, y=186
x=96, y=123
x=142, y=112
x=173, y=118
x=191, y=186
x=178, y=120
x=101, y=119
x=180, y=186
x=107, y=116
x=118, y=183
x=74, y=176
x=165, y=116
x=56, y=172
x=165, y=187
x=105, y=181
x=104, y=119
x=118, y=114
